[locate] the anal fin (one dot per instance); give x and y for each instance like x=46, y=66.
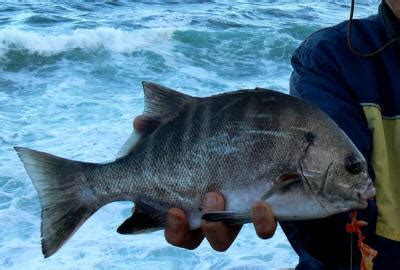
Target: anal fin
x=229, y=218
x=149, y=216
x=140, y=222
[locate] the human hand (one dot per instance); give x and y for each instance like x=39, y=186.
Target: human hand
x=144, y=125
x=219, y=235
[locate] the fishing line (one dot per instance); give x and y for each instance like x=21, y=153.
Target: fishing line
x=350, y=43
x=351, y=251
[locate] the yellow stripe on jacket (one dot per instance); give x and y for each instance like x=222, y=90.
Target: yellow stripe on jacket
x=385, y=161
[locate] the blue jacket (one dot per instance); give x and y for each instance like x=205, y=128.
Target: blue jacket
x=362, y=95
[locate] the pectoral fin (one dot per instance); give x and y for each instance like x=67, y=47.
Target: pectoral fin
x=229, y=218
x=282, y=182
x=288, y=178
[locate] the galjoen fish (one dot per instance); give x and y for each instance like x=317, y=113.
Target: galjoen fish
x=249, y=145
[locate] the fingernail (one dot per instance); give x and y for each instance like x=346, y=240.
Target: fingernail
x=210, y=201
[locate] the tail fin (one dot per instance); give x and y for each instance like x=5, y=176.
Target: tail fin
x=66, y=199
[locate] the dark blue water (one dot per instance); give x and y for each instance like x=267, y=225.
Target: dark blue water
x=70, y=84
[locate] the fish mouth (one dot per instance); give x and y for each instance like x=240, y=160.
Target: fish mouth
x=366, y=194
x=362, y=204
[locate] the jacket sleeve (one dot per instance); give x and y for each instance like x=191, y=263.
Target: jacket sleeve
x=324, y=244
x=317, y=78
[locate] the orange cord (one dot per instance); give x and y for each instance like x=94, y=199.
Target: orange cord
x=367, y=253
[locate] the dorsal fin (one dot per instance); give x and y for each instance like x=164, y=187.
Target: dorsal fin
x=161, y=102
x=142, y=127
x=129, y=144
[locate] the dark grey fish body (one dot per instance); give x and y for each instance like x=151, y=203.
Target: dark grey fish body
x=249, y=145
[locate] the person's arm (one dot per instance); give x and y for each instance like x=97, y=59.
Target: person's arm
x=323, y=75
x=219, y=235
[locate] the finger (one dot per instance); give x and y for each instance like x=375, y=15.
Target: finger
x=177, y=231
x=218, y=234
x=263, y=220
x=145, y=125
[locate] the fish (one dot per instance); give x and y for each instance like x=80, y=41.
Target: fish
x=249, y=145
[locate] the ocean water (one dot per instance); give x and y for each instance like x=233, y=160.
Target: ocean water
x=70, y=84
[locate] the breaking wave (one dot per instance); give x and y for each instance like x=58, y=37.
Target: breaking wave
x=112, y=39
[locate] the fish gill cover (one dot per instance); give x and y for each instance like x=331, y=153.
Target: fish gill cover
x=69, y=84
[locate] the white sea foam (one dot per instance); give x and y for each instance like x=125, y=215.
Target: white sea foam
x=112, y=39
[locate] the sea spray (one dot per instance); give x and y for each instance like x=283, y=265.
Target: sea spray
x=107, y=38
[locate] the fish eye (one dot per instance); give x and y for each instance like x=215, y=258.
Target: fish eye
x=352, y=165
